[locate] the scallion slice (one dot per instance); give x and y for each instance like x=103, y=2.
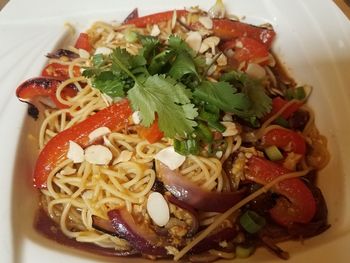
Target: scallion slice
x=244, y=252
x=273, y=153
x=252, y=222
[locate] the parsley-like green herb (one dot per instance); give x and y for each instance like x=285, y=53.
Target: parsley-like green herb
x=169, y=100
x=165, y=81
x=259, y=102
x=222, y=95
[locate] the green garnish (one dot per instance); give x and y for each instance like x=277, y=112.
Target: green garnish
x=273, y=153
x=164, y=80
x=252, y=222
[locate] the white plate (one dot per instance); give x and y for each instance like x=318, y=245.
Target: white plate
x=313, y=40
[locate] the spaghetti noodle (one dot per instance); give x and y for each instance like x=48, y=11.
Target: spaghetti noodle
x=224, y=169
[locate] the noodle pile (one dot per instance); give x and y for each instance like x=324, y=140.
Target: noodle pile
x=78, y=191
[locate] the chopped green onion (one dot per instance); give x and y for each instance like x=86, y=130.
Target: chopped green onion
x=217, y=126
x=186, y=147
x=295, y=93
x=299, y=93
x=273, y=153
x=180, y=147
x=244, y=252
x=130, y=36
x=192, y=146
x=208, y=116
x=204, y=132
x=252, y=222
x=282, y=122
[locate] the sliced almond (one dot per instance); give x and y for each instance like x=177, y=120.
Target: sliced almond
x=211, y=70
x=75, y=152
x=231, y=129
x=155, y=31
x=222, y=60
x=227, y=117
x=136, y=117
x=212, y=42
x=194, y=40
x=83, y=53
x=99, y=133
x=158, y=209
x=206, y=22
x=204, y=47
x=218, y=154
x=255, y=70
x=98, y=154
x=173, y=20
x=170, y=158
x=103, y=50
x=124, y=156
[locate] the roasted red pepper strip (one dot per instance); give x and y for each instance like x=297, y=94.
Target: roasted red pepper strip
x=298, y=204
x=288, y=140
x=155, y=18
x=278, y=103
x=83, y=42
x=152, y=134
x=115, y=117
x=59, y=71
x=45, y=87
x=246, y=49
x=227, y=30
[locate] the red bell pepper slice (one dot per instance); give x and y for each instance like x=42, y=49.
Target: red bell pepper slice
x=155, y=18
x=57, y=70
x=152, y=134
x=115, y=117
x=298, y=204
x=288, y=140
x=45, y=87
x=251, y=49
x=278, y=103
x=227, y=30
x=83, y=42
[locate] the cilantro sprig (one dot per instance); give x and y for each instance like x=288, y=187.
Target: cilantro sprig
x=164, y=81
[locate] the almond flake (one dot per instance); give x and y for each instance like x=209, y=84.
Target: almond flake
x=170, y=158
x=75, y=152
x=136, y=117
x=158, y=209
x=103, y=50
x=194, y=40
x=98, y=133
x=255, y=70
x=98, y=154
x=206, y=22
x=83, y=53
x=231, y=129
x=124, y=156
x=155, y=31
x=222, y=60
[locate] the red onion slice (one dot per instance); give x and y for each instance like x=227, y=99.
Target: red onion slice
x=196, y=197
x=139, y=235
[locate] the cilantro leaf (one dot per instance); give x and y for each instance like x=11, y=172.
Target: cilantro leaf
x=169, y=100
x=160, y=62
x=109, y=84
x=183, y=65
x=129, y=61
x=150, y=46
x=179, y=46
x=260, y=102
x=222, y=95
